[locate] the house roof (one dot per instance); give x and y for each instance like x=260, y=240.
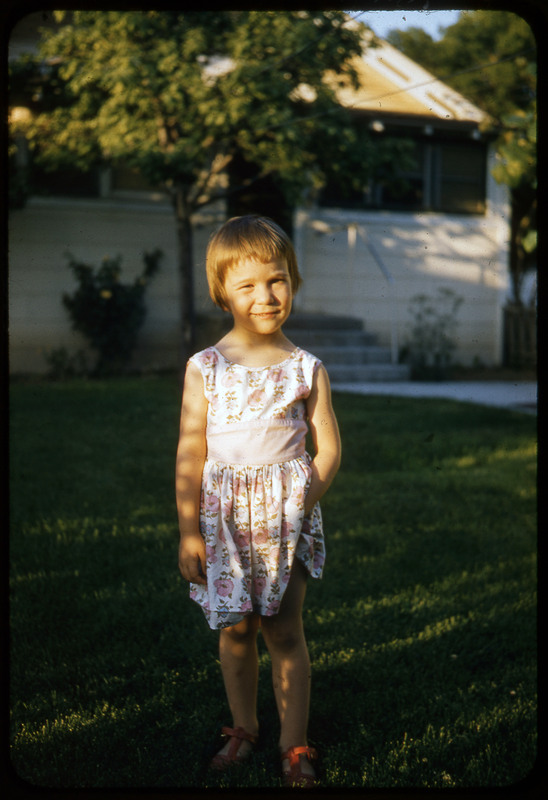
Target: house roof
x=393, y=84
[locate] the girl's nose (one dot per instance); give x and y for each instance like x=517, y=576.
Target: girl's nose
x=265, y=294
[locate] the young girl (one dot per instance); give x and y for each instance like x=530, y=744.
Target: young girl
x=247, y=492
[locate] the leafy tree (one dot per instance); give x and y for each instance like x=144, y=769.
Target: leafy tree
x=183, y=96
x=418, y=45
x=503, y=45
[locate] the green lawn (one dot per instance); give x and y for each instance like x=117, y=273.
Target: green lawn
x=422, y=633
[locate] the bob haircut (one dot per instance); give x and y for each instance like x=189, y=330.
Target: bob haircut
x=248, y=237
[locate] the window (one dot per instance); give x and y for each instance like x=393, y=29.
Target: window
x=64, y=182
x=129, y=179
x=461, y=181
x=441, y=176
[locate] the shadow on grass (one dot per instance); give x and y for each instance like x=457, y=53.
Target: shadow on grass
x=422, y=633
x=426, y=685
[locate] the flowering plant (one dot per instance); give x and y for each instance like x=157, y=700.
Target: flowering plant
x=431, y=341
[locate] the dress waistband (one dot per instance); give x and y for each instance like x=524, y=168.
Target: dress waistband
x=258, y=442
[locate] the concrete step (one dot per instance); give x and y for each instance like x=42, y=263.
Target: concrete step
x=351, y=354
x=311, y=321
x=314, y=338
x=332, y=355
x=368, y=373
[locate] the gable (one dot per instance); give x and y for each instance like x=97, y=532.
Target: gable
x=391, y=83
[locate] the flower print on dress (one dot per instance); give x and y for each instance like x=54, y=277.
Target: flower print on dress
x=229, y=380
x=252, y=516
x=212, y=504
x=224, y=586
x=211, y=554
x=259, y=585
x=276, y=374
x=296, y=498
x=242, y=539
x=260, y=536
x=209, y=358
x=274, y=557
x=256, y=398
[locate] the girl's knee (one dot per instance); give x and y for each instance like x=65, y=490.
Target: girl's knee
x=283, y=636
x=243, y=632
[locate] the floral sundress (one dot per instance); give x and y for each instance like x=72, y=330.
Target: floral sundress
x=254, y=483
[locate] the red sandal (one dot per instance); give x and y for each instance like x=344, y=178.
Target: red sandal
x=221, y=762
x=294, y=776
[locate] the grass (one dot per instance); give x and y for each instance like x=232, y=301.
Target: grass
x=422, y=633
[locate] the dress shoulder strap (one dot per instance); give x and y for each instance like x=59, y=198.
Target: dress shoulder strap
x=308, y=364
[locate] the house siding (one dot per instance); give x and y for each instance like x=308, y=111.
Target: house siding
x=421, y=252
x=40, y=235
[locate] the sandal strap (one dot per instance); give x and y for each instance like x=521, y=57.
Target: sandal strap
x=224, y=761
x=236, y=736
x=293, y=754
x=239, y=733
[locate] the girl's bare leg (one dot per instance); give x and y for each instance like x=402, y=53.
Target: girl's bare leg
x=285, y=639
x=240, y=668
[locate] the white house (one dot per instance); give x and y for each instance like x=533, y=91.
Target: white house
x=365, y=258
x=450, y=230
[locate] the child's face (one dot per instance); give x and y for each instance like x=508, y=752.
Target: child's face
x=259, y=296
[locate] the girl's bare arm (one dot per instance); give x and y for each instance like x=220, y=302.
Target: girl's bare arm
x=191, y=454
x=325, y=436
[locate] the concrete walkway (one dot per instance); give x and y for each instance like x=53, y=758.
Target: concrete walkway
x=519, y=396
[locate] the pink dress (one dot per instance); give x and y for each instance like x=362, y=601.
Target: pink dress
x=253, y=485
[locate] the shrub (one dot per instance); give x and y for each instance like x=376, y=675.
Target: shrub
x=64, y=365
x=430, y=343
x=106, y=311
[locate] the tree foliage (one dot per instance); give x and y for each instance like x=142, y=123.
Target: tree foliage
x=182, y=96
x=178, y=95
x=485, y=55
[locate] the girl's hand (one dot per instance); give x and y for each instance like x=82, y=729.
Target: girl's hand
x=192, y=559
x=309, y=508
x=325, y=437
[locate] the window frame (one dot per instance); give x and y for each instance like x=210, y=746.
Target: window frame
x=433, y=177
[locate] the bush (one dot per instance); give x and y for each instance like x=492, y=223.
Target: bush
x=107, y=312
x=64, y=365
x=430, y=344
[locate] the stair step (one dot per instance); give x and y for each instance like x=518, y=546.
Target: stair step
x=313, y=338
x=351, y=355
x=310, y=321
x=368, y=373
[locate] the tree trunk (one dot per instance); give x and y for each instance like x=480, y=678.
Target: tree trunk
x=183, y=214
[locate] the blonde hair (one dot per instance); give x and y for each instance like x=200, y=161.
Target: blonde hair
x=248, y=237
